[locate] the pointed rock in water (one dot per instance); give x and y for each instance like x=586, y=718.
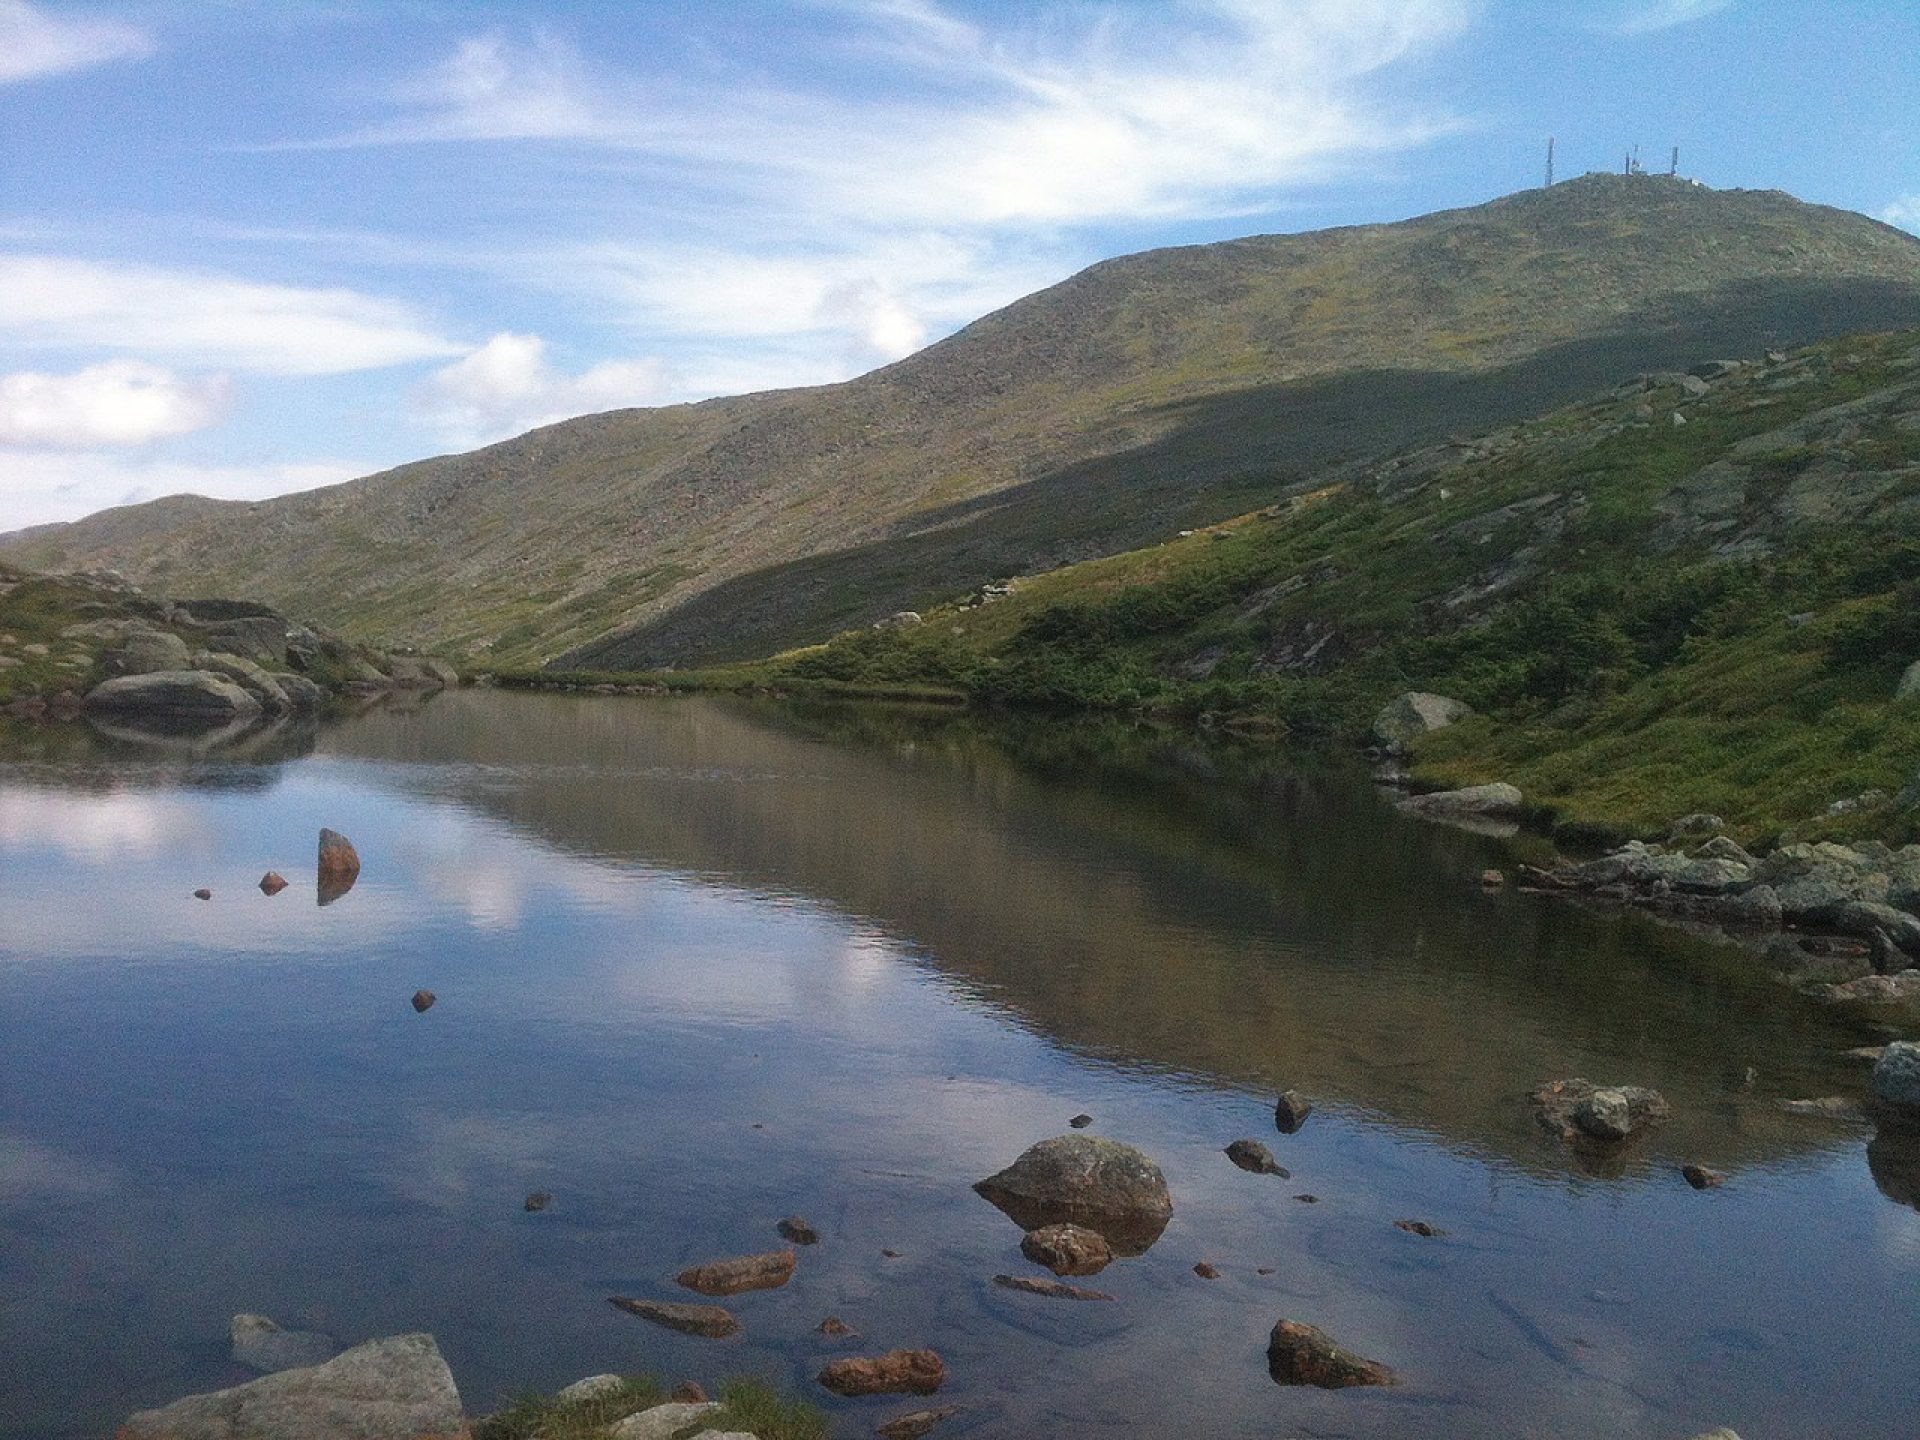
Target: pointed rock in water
x=393, y=1389
x=662, y=1422
x=338, y=859
x=422, y=1001
x=1253, y=1156
x=915, y=1423
x=798, y=1231
x=1701, y=1178
x=1068, y=1249
x=1053, y=1289
x=898, y=1372
x=1301, y=1354
x=742, y=1272
x=1081, y=1121
x=1085, y=1180
x=710, y=1322
x=272, y=883
x=261, y=1345
x=1290, y=1111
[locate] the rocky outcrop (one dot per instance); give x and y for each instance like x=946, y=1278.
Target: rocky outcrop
x=1302, y=1354
x=393, y=1389
x=898, y=1372
x=196, y=694
x=1414, y=714
x=1085, y=1180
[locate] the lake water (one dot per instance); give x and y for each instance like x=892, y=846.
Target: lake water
x=704, y=964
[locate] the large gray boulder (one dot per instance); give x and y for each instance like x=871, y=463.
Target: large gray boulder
x=1817, y=882
x=1498, y=799
x=1414, y=714
x=1896, y=1081
x=393, y=1389
x=1089, y=1181
x=259, y=638
x=249, y=677
x=197, y=693
x=142, y=652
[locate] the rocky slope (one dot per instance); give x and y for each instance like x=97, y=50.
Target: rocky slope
x=1145, y=395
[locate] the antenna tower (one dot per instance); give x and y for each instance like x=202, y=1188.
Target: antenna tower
x=1549, y=162
x=1673, y=167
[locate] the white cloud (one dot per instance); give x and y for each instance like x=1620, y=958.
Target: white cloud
x=1904, y=212
x=507, y=386
x=1643, y=17
x=38, y=486
x=206, y=319
x=117, y=402
x=35, y=43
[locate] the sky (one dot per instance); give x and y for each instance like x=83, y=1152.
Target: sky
x=250, y=248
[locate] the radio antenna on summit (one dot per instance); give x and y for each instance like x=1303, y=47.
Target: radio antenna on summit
x=1549, y=162
x=1673, y=166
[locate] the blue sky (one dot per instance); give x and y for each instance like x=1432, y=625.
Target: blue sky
x=248, y=248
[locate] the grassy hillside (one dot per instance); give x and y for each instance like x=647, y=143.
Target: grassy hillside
x=1685, y=594
x=1146, y=395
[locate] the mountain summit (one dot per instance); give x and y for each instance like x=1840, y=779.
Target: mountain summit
x=1144, y=395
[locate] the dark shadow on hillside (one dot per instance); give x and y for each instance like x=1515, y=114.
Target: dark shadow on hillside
x=1225, y=454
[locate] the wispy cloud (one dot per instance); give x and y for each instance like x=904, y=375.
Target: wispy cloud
x=1643, y=17
x=508, y=385
x=42, y=485
x=209, y=320
x=36, y=42
x=117, y=402
x=1904, y=212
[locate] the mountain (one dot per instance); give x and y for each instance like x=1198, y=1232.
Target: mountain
x=1691, y=593
x=1145, y=395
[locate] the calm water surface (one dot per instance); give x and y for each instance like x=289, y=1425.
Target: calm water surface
x=701, y=965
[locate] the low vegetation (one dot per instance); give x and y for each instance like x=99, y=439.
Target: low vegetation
x=746, y=1405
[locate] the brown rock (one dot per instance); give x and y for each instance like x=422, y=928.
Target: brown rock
x=708, y=1321
x=834, y=1325
x=898, y=1372
x=1580, y=1109
x=1068, y=1249
x=1207, y=1270
x=1290, y=1111
x=538, y=1201
x=689, y=1392
x=1493, y=879
x=339, y=866
x=1052, y=1289
x=1701, y=1178
x=1301, y=1354
x=1252, y=1155
x=743, y=1272
x=1085, y=1180
x=272, y=883
x=1418, y=1227
x=915, y=1423
x=798, y=1231
x=423, y=1001
x=203, y=894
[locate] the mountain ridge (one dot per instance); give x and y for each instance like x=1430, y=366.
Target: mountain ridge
x=1147, y=393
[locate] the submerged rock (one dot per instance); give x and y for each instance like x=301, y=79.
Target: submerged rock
x=1419, y=1227
x=538, y=1201
x=1605, y=1113
x=1206, y=1270
x=710, y=1322
x=1085, y=1180
x=798, y=1231
x=393, y=1389
x=1053, y=1289
x=915, y=1423
x=898, y=1372
x=740, y=1273
x=1068, y=1249
x=1253, y=1156
x=1824, y=1107
x=1290, y=1111
x=1302, y=1354
x=261, y=1345
x=833, y=1325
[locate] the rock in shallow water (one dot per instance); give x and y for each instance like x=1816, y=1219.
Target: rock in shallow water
x=1251, y=1155
x=1302, y=1354
x=261, y=1345
x=1290, y=1111
x=1896, y=1082
x=1068, y=1249
x=915, y=1423
x=898, y=1372
x=710, y=1322
x=740, y=1273
x=798, y=1231
x=393, y=1389
x=1702, y=1178
x=1053, y=1289
x=272, y=883
x=1085, y=1180
x=422, y=1001
x=1606, y=1113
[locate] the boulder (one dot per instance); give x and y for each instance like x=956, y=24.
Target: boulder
x=1251, y=1155
x=1896, y=1082
x=272, y=883
x=1302, y=1354
x=1815, y=882
x=261, y=1345
x=710, y=1322
x=1085, y=1180
x=1053, y=1289
x=1414, y=714
x=249, y=677
x=1722, y=847
x=1068, y=1249
x=898, y=1372
x=301, y=692
x=1865, y=920
x=339, y=861
x=1700, y=1177
x=199, y=694
x=1711, y=876
x=663, y=1422
x=594, y=1387
x=740, y=1273
x=1497, y=800
x=1578, y=1108
x=142, y=652
x=259, y=638
x=1874, y=989
x=1290, y=1111
x=422, y=672
x=1697, y=824
x=1909, y=686
x=393, y=1389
